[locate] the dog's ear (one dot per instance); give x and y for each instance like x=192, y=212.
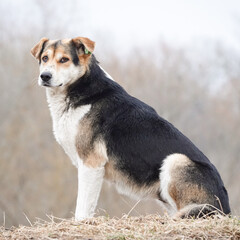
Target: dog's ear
x=37, y=49
x=85, y=44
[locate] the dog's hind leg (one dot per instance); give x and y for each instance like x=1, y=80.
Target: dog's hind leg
x=89, y=186
x=190, y=189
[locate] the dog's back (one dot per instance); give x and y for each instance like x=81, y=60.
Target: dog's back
x=143, y=147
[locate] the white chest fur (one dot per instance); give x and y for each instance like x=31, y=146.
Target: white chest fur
x=66, y=124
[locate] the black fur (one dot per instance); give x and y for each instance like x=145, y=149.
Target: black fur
x=40, y=54
x=73, y=53
x=136, y=135
x=89, y=90
x=56, y=44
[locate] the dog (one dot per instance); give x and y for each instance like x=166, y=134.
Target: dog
x=111, y=135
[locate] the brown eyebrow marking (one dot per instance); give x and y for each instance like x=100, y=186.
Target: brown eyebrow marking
x=41, y=52
x=69, y=49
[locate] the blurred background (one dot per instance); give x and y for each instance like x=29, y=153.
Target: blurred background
x=181, y=57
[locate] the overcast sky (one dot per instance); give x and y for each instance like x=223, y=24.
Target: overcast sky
x=140, y=22
x=128, y=23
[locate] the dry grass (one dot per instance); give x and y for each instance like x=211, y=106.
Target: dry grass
x=148, y=227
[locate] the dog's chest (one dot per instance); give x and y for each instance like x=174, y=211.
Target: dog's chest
x=67, y=125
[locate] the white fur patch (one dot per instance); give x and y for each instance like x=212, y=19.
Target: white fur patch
x=106, y=74
x=66, y=124
x=165, y=178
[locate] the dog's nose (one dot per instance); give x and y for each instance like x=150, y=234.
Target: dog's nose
x=46, y=76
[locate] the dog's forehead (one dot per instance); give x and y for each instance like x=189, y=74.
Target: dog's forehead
x=66, y=41
x=54, y=46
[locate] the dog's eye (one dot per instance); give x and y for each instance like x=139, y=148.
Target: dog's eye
x=64, y=59
x=45, y=58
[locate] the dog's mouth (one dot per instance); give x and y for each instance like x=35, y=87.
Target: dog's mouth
x=44, y=84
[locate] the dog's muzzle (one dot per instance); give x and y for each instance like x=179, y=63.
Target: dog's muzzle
x=46, y=77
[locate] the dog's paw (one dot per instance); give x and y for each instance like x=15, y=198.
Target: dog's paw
x=81, y=217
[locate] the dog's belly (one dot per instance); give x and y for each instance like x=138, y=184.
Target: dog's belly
x=127, y=186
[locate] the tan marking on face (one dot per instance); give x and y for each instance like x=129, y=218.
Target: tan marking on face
x=49, y=54
x=49, y=47
x=66, y=41
x=59, y=54
x=51, y=42
x=84, y=61
x=55, y=55
x=54, y=52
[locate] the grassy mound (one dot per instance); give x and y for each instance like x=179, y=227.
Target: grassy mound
x=147, y=227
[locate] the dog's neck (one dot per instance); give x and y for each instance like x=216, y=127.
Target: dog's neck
x=94, y=85
x=56, y=99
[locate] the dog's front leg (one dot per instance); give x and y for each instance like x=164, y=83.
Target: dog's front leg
x=89, y=186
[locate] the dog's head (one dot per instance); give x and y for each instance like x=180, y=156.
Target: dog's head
x=62, y=61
